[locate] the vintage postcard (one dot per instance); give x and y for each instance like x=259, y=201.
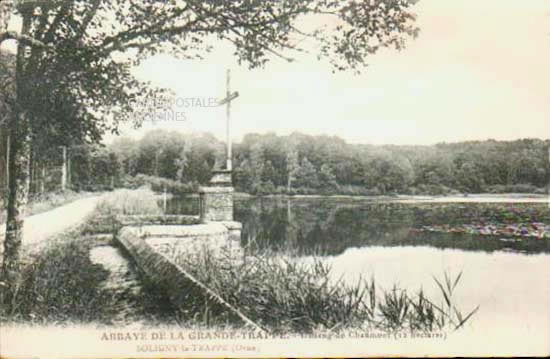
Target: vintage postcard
x=274, y=178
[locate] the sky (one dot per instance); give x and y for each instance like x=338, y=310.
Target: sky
x=479, y=69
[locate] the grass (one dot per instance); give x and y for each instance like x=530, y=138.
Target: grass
x=129, y=202
x=62, y=286
x=103, y=219
x=281, y=294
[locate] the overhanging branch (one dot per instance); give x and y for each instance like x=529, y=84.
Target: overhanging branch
x=23, y=39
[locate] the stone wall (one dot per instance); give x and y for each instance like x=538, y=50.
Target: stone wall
x=136, y=220
x=153, y=249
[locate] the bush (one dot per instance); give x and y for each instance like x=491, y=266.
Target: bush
x=375, y=191
x=515, y=188
x=103, y=219
x=453, y=192
x=95, y=187
x=433, y=189
x=263, y=188
x=268, y=187
x=497, y=188
x=521, y=188
x=159, y=184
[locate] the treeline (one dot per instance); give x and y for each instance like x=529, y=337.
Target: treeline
x=162, y=160
x=321, y=164
x=303, y=164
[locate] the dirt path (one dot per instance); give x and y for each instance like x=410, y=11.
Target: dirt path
x=122, y=284
x=131, y=302
x=40, y=227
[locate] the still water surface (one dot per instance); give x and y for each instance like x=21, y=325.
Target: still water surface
x=360, y=238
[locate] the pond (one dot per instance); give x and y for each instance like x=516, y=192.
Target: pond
x=507, y=276
x=328, y=226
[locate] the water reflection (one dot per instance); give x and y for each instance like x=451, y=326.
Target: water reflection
x=188, y=205
x=329, y=227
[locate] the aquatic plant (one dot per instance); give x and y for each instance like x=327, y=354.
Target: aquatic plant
x=282, y=294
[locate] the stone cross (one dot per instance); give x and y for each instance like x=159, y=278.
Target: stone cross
x=227, y=101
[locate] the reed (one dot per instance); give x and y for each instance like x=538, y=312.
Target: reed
x=129, y=202
x=282, y=294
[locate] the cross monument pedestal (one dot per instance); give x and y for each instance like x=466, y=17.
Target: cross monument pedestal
x=216, y=199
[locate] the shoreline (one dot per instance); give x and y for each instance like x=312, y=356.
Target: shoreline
x=473, y=198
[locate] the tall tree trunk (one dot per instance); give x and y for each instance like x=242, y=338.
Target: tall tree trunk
x=18, y=164
x=288, y=183
x=3, y=165
x=7, y=161
x=90, y=169
x=64, y=169
x=43, y=179
x=69, y=171
x=156, y=164
x=32, y=164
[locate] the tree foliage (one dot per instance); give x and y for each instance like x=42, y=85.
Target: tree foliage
x=263, y=164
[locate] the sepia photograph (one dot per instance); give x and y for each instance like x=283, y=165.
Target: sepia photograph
x=274, y=178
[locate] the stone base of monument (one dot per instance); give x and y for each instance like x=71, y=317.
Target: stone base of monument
x=215, y=204
x=216, y=199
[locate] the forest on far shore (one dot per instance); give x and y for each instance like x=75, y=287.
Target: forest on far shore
x=298, y=164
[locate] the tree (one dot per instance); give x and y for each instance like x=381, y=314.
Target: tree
x=269, y=174
x=307, y=175
x=436, y=169
x=469, y=178
x=292, y=167
x=327, y=177
x=66, y=40
x=183, y=162
x=392, y=172
x=256, y=166
x=125, y=150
